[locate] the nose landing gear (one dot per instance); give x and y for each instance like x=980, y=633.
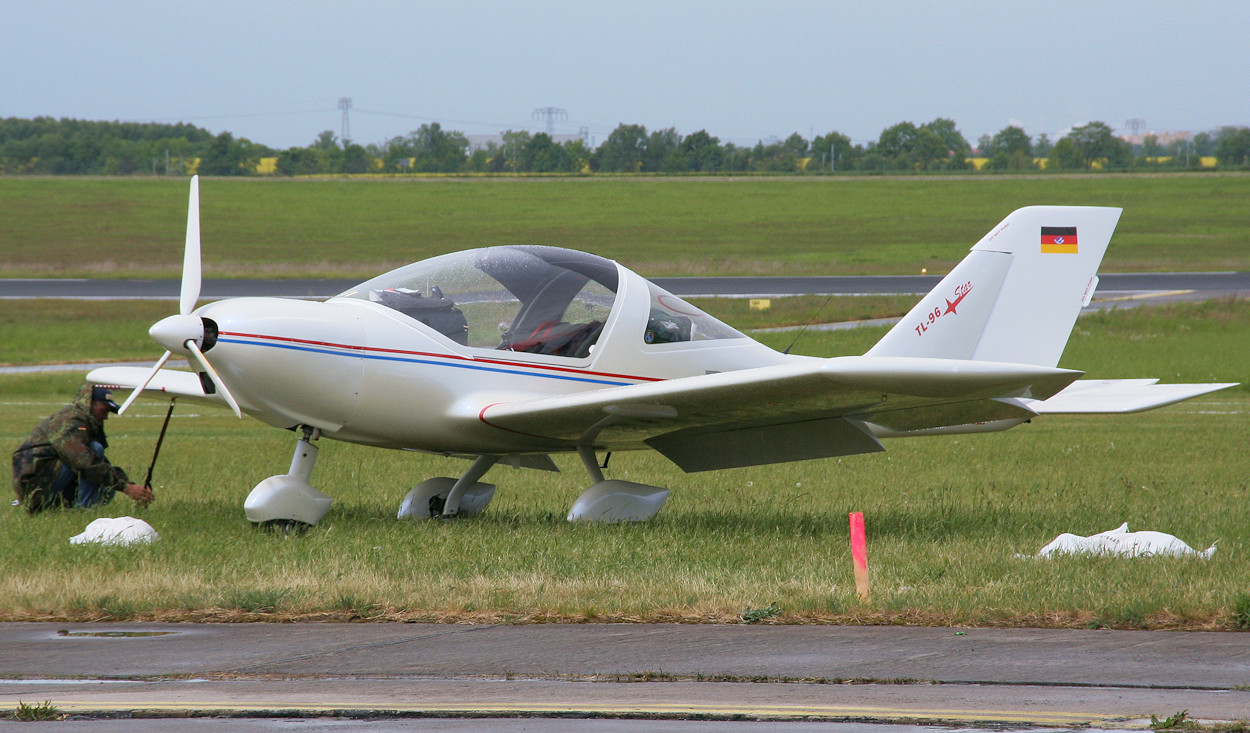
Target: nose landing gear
x=287, y=501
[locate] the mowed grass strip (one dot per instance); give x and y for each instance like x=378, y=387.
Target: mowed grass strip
x=946, y=518
x=358, y=228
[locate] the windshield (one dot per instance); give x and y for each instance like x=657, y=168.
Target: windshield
x=543, y=300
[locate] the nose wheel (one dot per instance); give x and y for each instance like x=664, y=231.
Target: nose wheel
x=287, y=501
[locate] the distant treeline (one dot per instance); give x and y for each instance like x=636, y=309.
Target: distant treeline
x=49, y=146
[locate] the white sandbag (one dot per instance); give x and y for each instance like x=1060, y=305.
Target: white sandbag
x=1120, y=541
x=118, y=531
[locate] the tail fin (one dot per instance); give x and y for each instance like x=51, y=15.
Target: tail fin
x=1015, y=297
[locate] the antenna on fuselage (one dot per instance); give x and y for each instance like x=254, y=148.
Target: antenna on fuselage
x=810, y=321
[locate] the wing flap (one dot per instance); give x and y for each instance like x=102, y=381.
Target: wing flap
x=973, y=416
x=707, y=449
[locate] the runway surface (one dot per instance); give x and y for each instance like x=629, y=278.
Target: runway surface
x=1012, y=678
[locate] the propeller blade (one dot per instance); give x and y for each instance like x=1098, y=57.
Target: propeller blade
x=191, y=254
x=143, y=385
x=212, y=374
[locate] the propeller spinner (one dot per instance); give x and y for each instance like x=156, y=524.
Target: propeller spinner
x=185, y=333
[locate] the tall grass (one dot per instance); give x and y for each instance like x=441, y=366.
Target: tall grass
x=946, y=518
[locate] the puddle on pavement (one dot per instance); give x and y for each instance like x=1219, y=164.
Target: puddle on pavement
x=113, y=634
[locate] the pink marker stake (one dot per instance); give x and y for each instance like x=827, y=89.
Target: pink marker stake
x=859, y=553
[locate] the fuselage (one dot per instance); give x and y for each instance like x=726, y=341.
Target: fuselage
x=413, y=358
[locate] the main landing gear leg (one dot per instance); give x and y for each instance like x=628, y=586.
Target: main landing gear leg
x=479, y=468
x=448, y=497
x=288, y=500
x=614, y=501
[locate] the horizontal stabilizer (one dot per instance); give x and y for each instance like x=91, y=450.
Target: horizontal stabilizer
x=1089, y=396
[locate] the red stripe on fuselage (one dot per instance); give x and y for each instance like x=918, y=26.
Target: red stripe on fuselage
x=453, y=357
x=482, y=417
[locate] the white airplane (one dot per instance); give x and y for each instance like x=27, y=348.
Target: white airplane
x=509, y=354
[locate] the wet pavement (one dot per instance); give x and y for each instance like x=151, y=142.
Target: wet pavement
x=774, y=675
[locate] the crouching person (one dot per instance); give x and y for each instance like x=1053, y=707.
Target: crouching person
x=62, y=463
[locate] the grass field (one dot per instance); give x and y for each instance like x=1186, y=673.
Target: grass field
x=133, y=227
x=946, y=516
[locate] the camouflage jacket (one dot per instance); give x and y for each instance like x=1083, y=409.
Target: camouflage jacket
x=64, y=439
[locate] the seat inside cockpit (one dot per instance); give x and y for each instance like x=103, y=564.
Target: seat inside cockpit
x=533, y=299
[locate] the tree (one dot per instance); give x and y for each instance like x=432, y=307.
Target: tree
x=1151, y=150
x=935, y=144
x=329, y=154
x=796, y=145
x=1233, y=146
x=933, y=152
x=833, y=150
x=1096, y=142
x=1204, y=144
x=735, y=158
x=298, y=162
x=1065, y=155
x=484, y=158
x=702, y=152
x=542, y=155
x=1182, y=152
x=325, y=141
x=439, y=151
x=226, y=156
x=1042, y=146
x=68, y=146
x=954, y=145
x=623, y=151
x=897, y=143
x=577, y=155
x=774, y=157
x=356, y=159
x=515, y=145
x=428, y=149
x=1009, y=149
x=662, y=151
x=950, y=134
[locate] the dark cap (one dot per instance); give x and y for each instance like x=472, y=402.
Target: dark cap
x=103, y=394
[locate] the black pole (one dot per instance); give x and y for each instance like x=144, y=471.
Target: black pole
x=161, y=439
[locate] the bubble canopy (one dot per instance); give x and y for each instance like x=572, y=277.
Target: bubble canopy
x=535, y=299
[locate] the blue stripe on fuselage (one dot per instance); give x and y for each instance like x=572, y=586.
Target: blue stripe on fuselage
x=412, y=360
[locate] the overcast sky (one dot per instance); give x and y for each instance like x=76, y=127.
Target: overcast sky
x=274, y=72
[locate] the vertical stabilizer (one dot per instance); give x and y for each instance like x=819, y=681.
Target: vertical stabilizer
x=1016, y=296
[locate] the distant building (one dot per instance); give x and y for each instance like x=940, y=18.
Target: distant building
x=479, y=142
x=1163, y=138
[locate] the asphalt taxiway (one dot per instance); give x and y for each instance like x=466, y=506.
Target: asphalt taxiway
x=1007, y=678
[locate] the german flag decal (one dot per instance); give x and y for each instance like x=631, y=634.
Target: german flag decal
x=1059, y=240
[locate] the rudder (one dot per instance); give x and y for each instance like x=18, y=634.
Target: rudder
x=1017, y=294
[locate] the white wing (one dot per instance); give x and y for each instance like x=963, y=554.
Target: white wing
x=165, y=383
x=810, y=409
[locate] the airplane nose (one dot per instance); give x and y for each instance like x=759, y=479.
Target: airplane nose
x=173, y=332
